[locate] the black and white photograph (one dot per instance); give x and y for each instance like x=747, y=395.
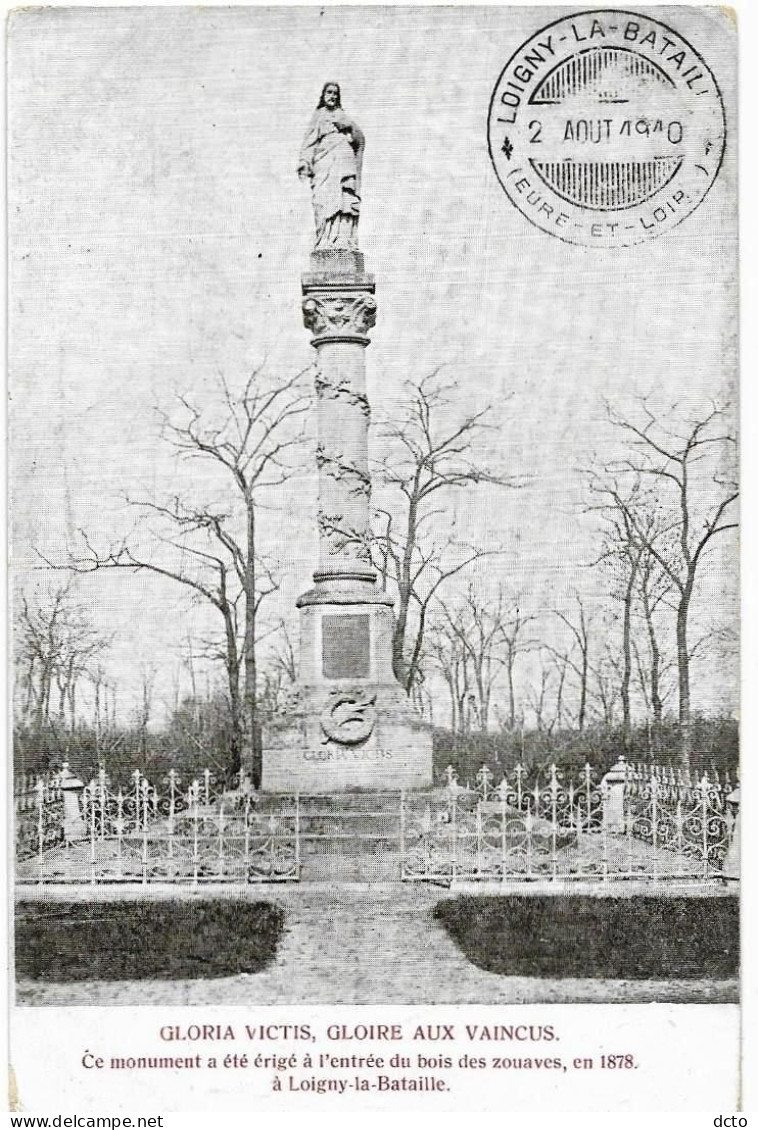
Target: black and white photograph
x=373, y=505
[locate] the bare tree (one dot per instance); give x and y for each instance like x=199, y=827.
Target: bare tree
x=515, y=643
x=285, y=651
x=688, y=465
x=560, y=663
x=56, y=645
x=213, y=551
x=422, y=695
x=607, y=674
x=148, y=672
x=477, y=624
x=577, y=657
x=622, y=555
x=448, y=654
x=654, y=593
x=546, y=691
x=636, y=581
x=280, y=670
x=537, y=696
x=197, y=552
x=429, y=453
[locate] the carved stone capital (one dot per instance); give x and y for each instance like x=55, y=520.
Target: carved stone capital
x=340, y=315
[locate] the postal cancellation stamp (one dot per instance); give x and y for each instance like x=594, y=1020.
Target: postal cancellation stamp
x=606, y=128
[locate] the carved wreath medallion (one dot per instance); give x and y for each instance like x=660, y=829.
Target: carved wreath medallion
x=349, y=716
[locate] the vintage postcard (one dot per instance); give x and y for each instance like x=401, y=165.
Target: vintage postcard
x=374, y=506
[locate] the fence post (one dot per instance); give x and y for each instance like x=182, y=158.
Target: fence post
x=119, y=824
x=679, y=824
x=72, y=788
x=454, y=832
x=612, y=788
x=246, y=857
x=221, y=857
x=192, y=797
x=731, y=868
x=40, y=790
x=704, y=786
x=553, y=821
x=503, y=791
x=655, y=788
x=402, y=833
x=92, y=832
x=145, y=788
x=479, y=837
x=588, y=793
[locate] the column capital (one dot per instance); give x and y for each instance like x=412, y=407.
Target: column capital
x=339, y=313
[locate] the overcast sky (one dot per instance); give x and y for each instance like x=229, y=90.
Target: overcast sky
x=157, y=235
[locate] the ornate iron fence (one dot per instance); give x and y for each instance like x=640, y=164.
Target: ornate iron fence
x=38, y=813
x=633, y=823
x=172, y=834
x=692, y=821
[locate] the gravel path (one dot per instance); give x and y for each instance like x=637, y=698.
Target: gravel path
x=362, y=944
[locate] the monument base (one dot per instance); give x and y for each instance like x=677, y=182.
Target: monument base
x=300, y=757
x=348, y=724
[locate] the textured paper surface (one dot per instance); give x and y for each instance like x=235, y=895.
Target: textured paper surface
x=158, y=233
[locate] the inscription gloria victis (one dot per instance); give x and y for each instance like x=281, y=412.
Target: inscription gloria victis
x=606, y=128
x=347, y=754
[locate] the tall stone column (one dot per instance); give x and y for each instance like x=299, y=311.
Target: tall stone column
x=348, y=723
x=339, y=309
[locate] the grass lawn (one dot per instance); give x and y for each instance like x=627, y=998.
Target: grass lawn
x=637, y=938
x=141, y=939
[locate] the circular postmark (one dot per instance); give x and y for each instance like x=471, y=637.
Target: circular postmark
x=606, y=128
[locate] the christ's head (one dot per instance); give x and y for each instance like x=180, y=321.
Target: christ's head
x=330, y=97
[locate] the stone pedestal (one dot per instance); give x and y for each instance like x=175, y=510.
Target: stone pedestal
x=72, y=788
x=613, y=787
x=731, y=868
x=349, y=723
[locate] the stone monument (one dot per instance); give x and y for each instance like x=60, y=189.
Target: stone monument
x=349, y=723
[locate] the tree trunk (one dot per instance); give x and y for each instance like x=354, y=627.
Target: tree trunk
x=481, y=695
x=656, y=702
x=626, y=677
x=98, y=722
x=413, y=666
x=404, y=597
x=583, y=691
x=559, y=699
x=235, y=707
x=252, y=738
x=683, y=665
x=235, y=739
x=398, y=636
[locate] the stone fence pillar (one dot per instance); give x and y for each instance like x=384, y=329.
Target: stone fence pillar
x=731, y=868
x=72, y=788
x=613, y=786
